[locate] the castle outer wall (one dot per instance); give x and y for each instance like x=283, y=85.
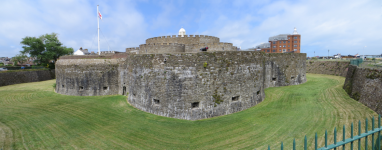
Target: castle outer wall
x=188, y=86
x=186, y=44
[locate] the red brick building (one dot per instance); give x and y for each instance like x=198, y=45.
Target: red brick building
x=282, y=43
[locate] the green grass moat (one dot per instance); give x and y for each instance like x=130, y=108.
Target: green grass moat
x=33, y=116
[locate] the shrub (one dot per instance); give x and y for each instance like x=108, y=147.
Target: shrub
x=54, y=85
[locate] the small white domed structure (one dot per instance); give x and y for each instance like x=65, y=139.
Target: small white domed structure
x=182, y=32
x=295, y=31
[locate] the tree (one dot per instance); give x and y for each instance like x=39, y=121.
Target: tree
x=45, y=48
x=20, y=58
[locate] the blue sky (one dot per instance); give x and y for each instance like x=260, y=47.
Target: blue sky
x=341, y=26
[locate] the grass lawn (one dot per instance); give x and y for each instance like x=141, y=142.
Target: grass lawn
x=32, y=116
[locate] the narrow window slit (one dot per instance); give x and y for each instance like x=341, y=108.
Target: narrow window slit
x=81, y=87
x=235, y=98
x=292, y=78
x=156, y=101
x=273, y=79
x=258, y=92
x=195, y=105
x=63, y=86
x=105, y=88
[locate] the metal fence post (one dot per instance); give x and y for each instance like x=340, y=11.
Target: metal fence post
x=294, y=144
x=335, y=137
x=343, y=137
x=372, y=136
x=315, y=142
x=305, y=143
x=366, y=132
x=282, y=146
x=326, y=138
x=359, y=134
x=351, y=144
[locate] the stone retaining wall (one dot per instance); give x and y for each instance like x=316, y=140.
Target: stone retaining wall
x=365, y=86
x=337, y=68
x=9, y=78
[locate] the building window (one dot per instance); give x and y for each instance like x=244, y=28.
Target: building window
x=284, y=50
x=295, y=37
x=288, y=50
x=288, y=41
x=295, y=41
x=280, y=45
x=267, y=50
x=274, y=42
x=288, y=45
x=274, y=46
x=295, y=49
x=280, y=50
x=295, y=45
x=284, y=42
x=284, y=46
x=274, y=50
x=288, y=38
x=280, y=41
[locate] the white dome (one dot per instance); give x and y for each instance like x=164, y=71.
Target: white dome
x=295, y=31
x=182, y=32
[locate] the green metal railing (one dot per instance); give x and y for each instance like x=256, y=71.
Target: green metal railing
x=356, y=61
x=375, y=145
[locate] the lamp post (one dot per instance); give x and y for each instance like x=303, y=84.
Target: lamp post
x=328, y=54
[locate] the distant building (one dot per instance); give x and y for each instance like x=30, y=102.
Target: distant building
x=282, y=43
x=81, y=52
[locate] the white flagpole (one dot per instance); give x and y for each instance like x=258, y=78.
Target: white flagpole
x=99, y=52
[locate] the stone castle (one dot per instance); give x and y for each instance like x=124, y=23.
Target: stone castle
x=170, y=76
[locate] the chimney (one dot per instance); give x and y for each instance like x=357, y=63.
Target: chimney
x=80, y=48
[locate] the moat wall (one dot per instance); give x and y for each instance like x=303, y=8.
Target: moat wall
x=188, y=86
x=337, y=68
x=9, y=78
x=365, y=86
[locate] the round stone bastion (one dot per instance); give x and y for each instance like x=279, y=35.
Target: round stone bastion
x=182, y=85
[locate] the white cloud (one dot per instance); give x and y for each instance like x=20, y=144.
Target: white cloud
x=74, y=21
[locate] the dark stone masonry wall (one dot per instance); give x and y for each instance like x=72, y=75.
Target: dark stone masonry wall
x=87, y=77
x=188, y=86
x=336, y=68
x=365, y=86
x=9, y=78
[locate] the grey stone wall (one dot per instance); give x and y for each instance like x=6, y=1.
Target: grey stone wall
x=188, y=86
x=9, y=78
x=212, y=47
x=87, y=77
x=161, y=48
x=337, y=68
x=365, y=86
x=187, y=39
x=219, y=83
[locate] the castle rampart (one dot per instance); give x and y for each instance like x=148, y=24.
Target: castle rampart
x=161, y=48
x=187, y=39
x=182, y=85
x=87, y=77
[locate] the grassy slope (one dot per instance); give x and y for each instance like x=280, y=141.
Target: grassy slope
x=32, y=116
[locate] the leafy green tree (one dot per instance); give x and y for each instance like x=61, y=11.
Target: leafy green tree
x=45, y=48
x=20, y=58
